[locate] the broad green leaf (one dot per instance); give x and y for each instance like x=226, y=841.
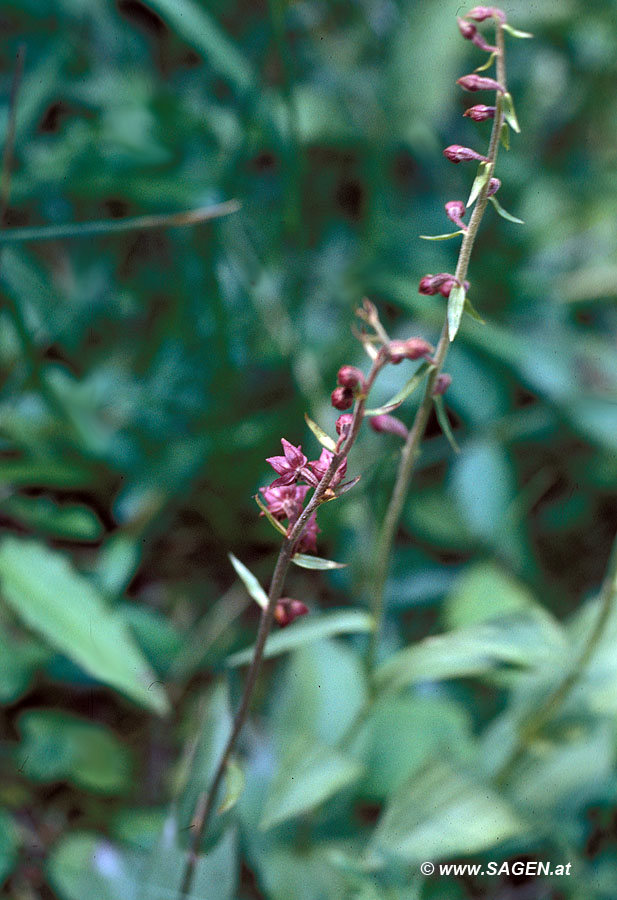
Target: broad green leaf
x=71, y=521
x=324, y=439
x=57, y=746
x=9, y=844
x=57, y=602
x=503, y=213
x=307, y=630
x=441, y=813
x=470, y=309
x=479, y=181
x=516, y=640
x=440, y=237
x=444, y=422
x=483, y=592
x=305, y=561
x=234, y=785
x=307, y=775
x=514, y=32
x=406, y=391
x=509, y=113
x=250, y=582
x=274, y=522
x=456, y=305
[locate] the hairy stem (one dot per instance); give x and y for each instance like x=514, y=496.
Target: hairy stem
x=411, y=450
x=205, y=803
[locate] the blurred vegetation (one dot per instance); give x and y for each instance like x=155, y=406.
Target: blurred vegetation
x=147, y=374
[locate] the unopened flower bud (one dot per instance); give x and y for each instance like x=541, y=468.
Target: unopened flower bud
x=445, y=288
x=287, y=609
x=479, y=41
x=475, y=82
x=466, y=29
x=342, y=398
x=455, y=210
x=480, y=13
x=480, y=112
x=442, y=383
x=389, y=425
x=493, y=186
x=431, y=284
x=350, y=377
x=456, y=154
x=413, y=348
x=343, y=424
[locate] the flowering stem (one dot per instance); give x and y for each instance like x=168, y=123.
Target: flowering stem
x=205, y=803
x=411, y=450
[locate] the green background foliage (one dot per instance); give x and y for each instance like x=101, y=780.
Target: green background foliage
x=146, y=374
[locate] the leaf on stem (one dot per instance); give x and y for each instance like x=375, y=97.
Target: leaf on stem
x=456, y=305
x=347, y=486
x=275, y=522
x=249, y=581
x=482, y=176
x=489, y=62
x=515, y=32
x=441, y=237
x=444, y=422
x=305, y=561
x=503, y=213
x=509, y=113
x=504, y=136
x=324, y=439
x=470, y=309
x=406, y=391
x=234, y=785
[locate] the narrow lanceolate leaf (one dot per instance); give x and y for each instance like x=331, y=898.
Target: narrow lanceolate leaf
x=504, y=136
x=416, y=379
x=444, y=422
x=515, y=32
x=250, y=582
x=456, y=304
x=440, y=237
x=234, y=785
x=509, y=113
x=489, y=62
x=57, y=602
x=503, y=213
x=324, y=439
x=315, y=562
x=308, y=630
x=470, y=309
x=274, y=522
x=482, y=176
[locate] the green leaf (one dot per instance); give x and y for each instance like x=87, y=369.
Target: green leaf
x=57, y=746
x=234, y=785
x=444, y=422
x=307, y=630
x=482, y=177
x=489, y=62
x=53, y=599
x=470, y=309
x=515, y=32
x=456, y=305
x=483, y=592
x=509, y=113
x=250, y=582
x=275, y=522
x=9, y=844
x=305, y=561
x=324, y=439
x=504, y=135
x=502, y=212
x=308, y=774
x=20, y=657
x=83, y=864
x=441, y=237
x=71, y=521
x=441, y=813
x=405, y=392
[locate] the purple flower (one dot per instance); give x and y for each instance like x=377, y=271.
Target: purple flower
x=287, y=466
x=350, y=377
x=455, y=210
x=431, y=284
x=442, y=383
x=285, y=501
x=412, y=348
x=343, y=424
x=466, y=29
x=321, y=466
x=456, y=154
x=480, y=13
x=287, y=609
x=389, y=425
x=478, y=83
x=342, y=398
x=445, y=288
x=493, y=186
x=480, y=112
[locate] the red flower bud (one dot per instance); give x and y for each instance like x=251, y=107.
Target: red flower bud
x=466, y=29
x=455, y=210
x=480, y=13
x=445, y=288
x=480, y=112
x=389, y=425
x=479, y=41
x=350, y=377
x=342, y=398
x=413, y=348
x=287, y=609
x=343, y=424
x=493, y=186
x=478, y=83
x=431, y=284
x=456, y=154
x=442, y=383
